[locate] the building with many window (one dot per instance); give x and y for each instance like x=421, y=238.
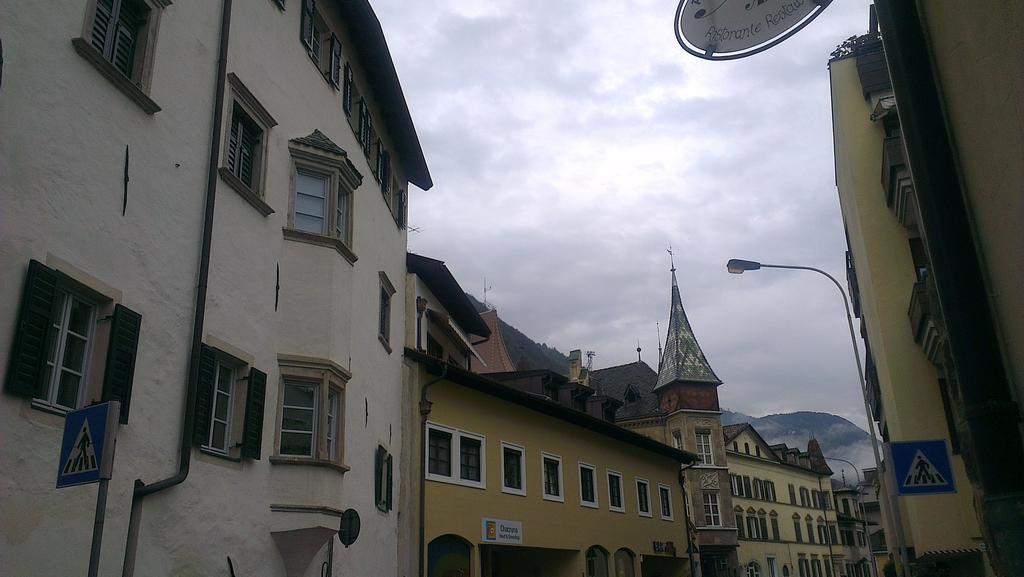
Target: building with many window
x=678, y=406
x=203, y=218
x=913, y=384
x=514, y=473
x=784, y=509
x=857, y=558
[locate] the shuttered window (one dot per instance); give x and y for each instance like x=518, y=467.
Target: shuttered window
x=255, y=401
x=116, y=28
x=365, y=127
x=346, y=90
x=308, y=18
x=383, y=479
x=54, y=341
x=398, y=206
x=384, y=319
x=335, y=64
x=244, y=142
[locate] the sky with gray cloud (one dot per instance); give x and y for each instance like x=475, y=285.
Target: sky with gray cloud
x=571, y=142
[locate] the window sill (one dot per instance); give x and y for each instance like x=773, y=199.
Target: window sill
x=454, y=481
x=554, y=499
x=245, y=192
x=321, y=240
x=120, y=81
x=384, y=342
x=212, y=453
x=613, y=510
x=589, y=505
x=517, y=492
x=281, y=460
x=51, y=409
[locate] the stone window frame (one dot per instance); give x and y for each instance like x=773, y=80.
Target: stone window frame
x=137, y=85
x=342, y=177
x=329, y=377
x=239, y=95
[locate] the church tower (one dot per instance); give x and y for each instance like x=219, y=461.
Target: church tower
x=687, y=393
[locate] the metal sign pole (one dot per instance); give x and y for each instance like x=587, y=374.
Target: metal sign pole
x=97, y=528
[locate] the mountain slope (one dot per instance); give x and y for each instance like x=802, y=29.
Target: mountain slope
x=524, y=352
x=838, y=437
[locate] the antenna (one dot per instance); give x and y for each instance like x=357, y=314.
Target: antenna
x=671, y=258
x=659, y=345
x=486, y=288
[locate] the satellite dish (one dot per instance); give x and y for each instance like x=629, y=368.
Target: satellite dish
x=349, y=530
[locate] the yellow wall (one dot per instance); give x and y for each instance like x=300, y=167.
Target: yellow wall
x=912, y=405
x=979, y=56
x=787, y=549
x=456, y=509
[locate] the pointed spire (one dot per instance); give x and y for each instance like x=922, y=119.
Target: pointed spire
x=682, y=360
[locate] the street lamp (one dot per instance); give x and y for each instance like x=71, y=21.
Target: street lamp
x=739, y=266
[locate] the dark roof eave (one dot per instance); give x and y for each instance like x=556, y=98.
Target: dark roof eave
x=488, y=386
x=372, y=49
x=439, y=279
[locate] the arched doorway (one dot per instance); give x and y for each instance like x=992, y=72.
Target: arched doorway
x=597, y=562
x=625, y=563
x=448, y=556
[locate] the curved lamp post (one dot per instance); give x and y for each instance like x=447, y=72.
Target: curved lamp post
x=739, y=266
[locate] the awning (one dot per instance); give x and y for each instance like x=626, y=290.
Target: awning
x=943, y=554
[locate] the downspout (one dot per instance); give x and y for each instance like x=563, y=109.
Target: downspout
x=425, y=405
x=686, y=518
x=185, y=452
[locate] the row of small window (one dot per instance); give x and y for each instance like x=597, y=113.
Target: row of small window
x=755, y=527
x=742, y=486
x=446, y=442
x=826, y=533
x=812, y=567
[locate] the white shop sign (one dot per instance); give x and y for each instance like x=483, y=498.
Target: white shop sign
x=501, y=531
x=728, y=29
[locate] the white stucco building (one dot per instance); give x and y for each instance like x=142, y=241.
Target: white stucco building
x=202, y=214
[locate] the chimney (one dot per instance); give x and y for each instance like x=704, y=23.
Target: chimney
x=575, y=364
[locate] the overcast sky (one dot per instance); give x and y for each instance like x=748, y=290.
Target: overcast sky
x=572, y=141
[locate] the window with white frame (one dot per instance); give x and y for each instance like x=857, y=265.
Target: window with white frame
x=588, y=485
x=643, y=497
x=665, y=497
x=704, y=451
x=513, y=472
x=444, y=444
x=712, y=515
x=753, y=569
x=615, y=501
x=222, y=408
x=312, y=408
x=551, y=468
x=299, y=412
x=70, y=346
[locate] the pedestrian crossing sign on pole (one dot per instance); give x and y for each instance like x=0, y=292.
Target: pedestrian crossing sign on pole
x=87, y=451
x=922, y=467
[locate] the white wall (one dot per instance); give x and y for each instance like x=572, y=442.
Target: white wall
x=64, y=128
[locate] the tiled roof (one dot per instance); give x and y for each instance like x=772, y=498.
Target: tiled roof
x=683, y=360
x=730, y=432
x=493, y=350
x=320, y=141
x=614, y=381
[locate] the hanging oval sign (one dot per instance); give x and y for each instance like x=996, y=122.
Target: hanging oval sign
x=730, y=29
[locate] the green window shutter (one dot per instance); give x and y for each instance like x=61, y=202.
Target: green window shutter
x=378, y=472
x=121, y=352
x=101, y=24
x=26, y=372
x=335, y=60
x=391, y=467
x=252, y=435
x=346, y=94
x=308, y=14
x=204, y=396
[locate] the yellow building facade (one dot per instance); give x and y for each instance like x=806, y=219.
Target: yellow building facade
x=511, y=481
x=893, y=294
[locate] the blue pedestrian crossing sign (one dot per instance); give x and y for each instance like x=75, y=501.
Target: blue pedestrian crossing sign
x=87, y=451
x=922, y=467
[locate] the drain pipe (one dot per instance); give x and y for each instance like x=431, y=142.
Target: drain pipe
x=142, y=489
x=424, y=413
x=686, y=517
